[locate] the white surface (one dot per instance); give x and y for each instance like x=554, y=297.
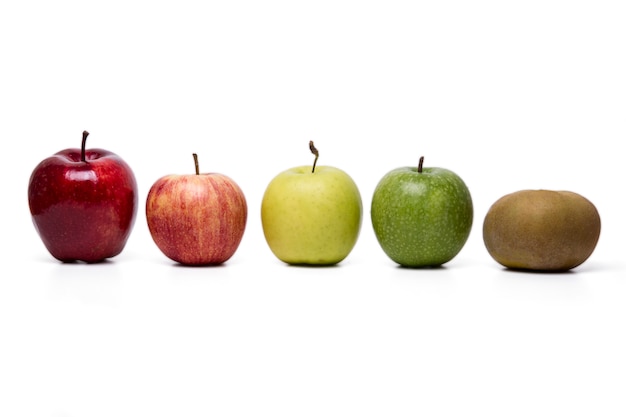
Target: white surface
x=509, y=95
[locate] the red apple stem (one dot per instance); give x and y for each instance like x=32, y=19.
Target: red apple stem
x=82, y=146
x=315, y=152
x=420, y=166
x=195, y=161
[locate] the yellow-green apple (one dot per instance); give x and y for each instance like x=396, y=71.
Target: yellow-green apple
x=311, y=215
x=421, y=216
x=83, y=203
x=197, y=219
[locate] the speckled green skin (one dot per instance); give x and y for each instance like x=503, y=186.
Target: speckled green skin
x=311, y=218
x=421, y=219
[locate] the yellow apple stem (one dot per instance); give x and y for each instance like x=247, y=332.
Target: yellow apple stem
x=82, y=146
x=195, y=161
x=315, y=152
x=420, y=165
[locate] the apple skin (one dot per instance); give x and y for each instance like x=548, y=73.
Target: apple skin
x=541, y=230
x=421, y=219
x=311, y=218
x=197, y=219
x=83, y=210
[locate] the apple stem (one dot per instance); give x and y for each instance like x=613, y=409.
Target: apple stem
x=195, y=161
x=315, y=152
x=420, y=165
x=82, y=146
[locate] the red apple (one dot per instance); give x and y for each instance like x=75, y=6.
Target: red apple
x=196, y=219
x=83, y=203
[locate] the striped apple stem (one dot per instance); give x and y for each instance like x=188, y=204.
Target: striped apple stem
x=420, y=165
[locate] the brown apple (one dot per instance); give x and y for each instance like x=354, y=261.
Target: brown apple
x=541, y=230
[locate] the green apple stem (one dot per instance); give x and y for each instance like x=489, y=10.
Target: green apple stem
x=82, y=146
x=420, y=166
x=195, y=161
x=315, y=152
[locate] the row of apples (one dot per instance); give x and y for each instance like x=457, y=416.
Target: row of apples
x=83, y=204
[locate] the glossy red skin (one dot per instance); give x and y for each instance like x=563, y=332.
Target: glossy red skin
x=196, y=219
x=83, y=210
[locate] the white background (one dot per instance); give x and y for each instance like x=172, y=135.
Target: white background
x=509, y=95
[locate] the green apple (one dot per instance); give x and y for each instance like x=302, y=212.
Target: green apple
x=421, y=216
x=311, y=215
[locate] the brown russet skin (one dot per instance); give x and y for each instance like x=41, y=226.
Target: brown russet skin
x=541, y=230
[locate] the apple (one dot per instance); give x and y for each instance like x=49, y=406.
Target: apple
x=196, y=219
x=541, y=230
x=83, y=203
x=421, y=217
x=311, y=215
